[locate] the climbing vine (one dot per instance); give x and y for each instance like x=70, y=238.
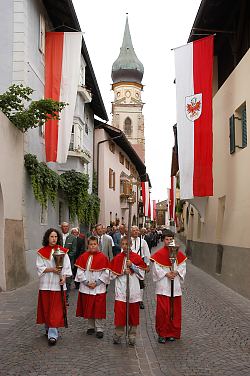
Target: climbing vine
x=44, y=181
x=14, y=104
x=74, y=185
x=92, y=209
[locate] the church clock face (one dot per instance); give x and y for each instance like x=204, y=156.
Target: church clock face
x=128, y=94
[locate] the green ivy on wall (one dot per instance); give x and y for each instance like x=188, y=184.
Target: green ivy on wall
x=74, y=185
x=92, y=209
x=75, y=188
x=44, y=181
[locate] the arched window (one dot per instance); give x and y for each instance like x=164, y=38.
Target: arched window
x=128, y=127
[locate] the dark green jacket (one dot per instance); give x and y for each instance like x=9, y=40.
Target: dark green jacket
x=71, y=243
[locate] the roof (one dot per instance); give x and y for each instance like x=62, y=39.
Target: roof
x=126, y=146
x=215, y=16
x=63, y=17
x=127, y=67
x=229, y=21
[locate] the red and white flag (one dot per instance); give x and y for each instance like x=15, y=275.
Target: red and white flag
x=194, y=74
x=146, y=198
x=62, y=69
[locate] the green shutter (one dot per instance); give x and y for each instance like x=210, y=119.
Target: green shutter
x=232, y=134
x=244, y=127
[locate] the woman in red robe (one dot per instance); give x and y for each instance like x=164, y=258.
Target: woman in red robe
x=49, y=308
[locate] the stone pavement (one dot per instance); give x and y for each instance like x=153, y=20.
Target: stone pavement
x=215, y=339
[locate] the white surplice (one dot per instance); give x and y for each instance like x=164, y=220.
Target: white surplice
x=50, y=281
x=143, y=251
x=134, y=286
x=163, y=283
x=92, y=276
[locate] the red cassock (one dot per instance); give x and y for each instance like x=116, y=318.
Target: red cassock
x=165, y=327
x=92, y=306
x=49, y=307
x=117, y=267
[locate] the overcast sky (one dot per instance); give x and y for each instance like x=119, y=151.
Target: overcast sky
x=156, y=27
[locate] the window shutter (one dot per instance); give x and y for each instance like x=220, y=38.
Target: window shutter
x=244, y=127
x=110, y=178
x=113, y=180
x=232, y=134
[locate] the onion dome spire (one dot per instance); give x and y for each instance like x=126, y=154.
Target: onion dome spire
x=127, y=66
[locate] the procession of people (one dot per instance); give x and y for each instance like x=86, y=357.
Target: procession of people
x=93, y=263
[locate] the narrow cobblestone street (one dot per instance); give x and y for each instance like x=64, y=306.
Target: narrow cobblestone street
x=215, y=338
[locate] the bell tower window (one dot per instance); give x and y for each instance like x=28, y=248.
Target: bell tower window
x=128, y=127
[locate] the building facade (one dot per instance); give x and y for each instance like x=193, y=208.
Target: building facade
x=217, y=228
x=162, y=213
x=22, y=55
x=127, y=74
x=115, y=162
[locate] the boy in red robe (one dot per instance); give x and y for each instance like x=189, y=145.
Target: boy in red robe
x=93, y=275
x=120, y=267
x=167, y=329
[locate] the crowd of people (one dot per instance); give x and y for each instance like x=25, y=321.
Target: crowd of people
x=96, y=259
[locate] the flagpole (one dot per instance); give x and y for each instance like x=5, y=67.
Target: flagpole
x=130, y=199
x=183, y=45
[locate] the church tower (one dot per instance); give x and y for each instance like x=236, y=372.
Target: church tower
x=127, y=73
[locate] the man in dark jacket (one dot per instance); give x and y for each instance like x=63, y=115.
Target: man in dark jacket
x=80, y=248
x=70, y=242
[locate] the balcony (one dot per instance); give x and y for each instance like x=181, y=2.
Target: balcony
x=80, y=153
x=123, y=201
x=85, y=93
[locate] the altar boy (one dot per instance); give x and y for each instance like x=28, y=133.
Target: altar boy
x=120, y=267
x=167, y=329
x=93, y=275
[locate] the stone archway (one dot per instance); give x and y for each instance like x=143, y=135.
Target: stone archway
x=2, y=260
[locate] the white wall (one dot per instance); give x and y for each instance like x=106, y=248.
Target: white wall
x=231, y=172
x=11, y=187
x=110, y=199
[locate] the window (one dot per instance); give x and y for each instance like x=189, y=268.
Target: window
x=127, y=164
x=72, y=138
x=114, y=181
x=111, y=179
x=79, y=137
x=238, y=129
x=121, y=158
x=128, y=127
x=76, y=140
x=42, y=34
x=86, y=128
x=112, y=147
x=82, y=75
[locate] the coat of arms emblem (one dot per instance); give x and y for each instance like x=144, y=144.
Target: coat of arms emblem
x=193, y=107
